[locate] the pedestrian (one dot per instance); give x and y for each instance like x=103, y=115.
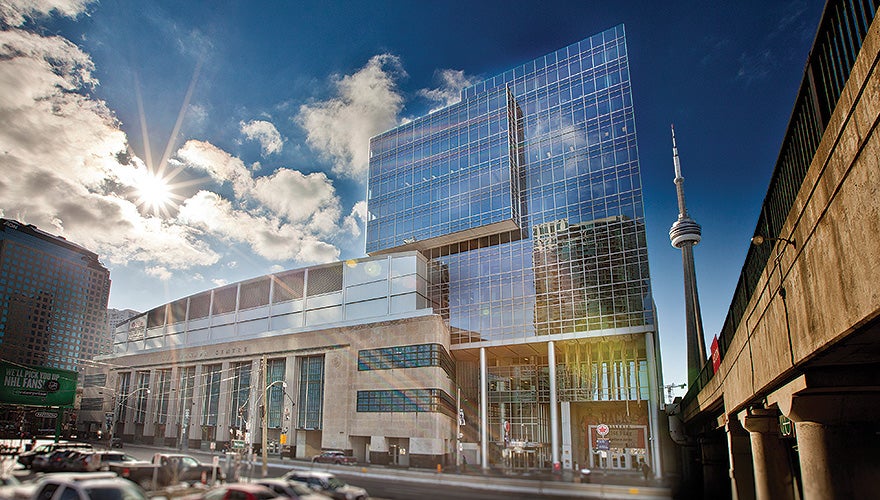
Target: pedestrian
x=646, y=470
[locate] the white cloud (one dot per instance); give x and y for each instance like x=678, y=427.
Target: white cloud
x=449, y=92
x=160, y=272
x=366, y=103
x=297, y=196
x=265, y=133
x=220, y=165
x=68, y=169
x=267, y=235
x=357, y=219
x=61, y=160
x=14, y=12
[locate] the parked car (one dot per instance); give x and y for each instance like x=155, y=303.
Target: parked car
x=327, y=483
x=87, y=487
x=27, y=458
x=291, y=489
x=87, y=461
x=170, y=469
x=236, y=491
x=334, y=457
x=55, y=461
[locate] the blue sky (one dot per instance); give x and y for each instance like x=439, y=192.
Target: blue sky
x=257, y=113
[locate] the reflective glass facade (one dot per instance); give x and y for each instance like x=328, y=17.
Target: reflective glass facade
x=53, y=298
x=572, y=256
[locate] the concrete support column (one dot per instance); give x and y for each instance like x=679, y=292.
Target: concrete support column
x=714, y=457
x=655, y=381
x=739, y=449
x=554, y=407
x=226, y=412
x=150, y=409
x=484, y=410
x=173, y=419
x=253, y=416
x=838, y=436
x=194, y=429
x=773, y=477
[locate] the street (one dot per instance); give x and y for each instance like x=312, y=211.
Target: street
x=402, y=484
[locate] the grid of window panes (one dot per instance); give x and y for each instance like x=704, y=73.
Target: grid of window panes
x=311, y=393
x=122, y=395
x=53, y=299
x=406, y=401
x=580, y=170
x=163, y=396
x=211, y=401
x=141, y=395
x=449, y=171
x=602, y=369
x=241, y=389
x=407, y=356
x=275, y=395
x=187, y=384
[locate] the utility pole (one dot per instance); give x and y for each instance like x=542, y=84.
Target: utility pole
x=264, y=414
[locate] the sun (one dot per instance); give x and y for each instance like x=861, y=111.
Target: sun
x=154, y=193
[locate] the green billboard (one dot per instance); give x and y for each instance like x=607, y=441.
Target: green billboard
x=29, y=385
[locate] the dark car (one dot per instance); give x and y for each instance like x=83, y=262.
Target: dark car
x=54, y=462
x=334, y=457
x=27, y=458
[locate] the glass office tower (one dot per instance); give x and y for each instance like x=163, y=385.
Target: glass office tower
x=526, y=198
x=53, y=299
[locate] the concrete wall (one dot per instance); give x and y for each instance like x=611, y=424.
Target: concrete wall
x=343, y=427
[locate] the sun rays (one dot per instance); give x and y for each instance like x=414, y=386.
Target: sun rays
x=156, y=191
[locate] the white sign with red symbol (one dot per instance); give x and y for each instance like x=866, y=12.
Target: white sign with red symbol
x=602, y=430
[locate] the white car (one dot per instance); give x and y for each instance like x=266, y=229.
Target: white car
x=86, y=487
x=327, y=484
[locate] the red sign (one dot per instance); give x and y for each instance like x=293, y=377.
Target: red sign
x=602, y=429
x=716, y=355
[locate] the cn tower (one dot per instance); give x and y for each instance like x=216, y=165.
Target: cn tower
x=684, y=234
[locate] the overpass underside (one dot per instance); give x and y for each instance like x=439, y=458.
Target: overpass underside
x=793, y=411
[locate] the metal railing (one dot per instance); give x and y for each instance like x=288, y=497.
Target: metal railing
x=840, y=35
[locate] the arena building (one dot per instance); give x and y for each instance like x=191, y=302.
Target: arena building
x=504, y=315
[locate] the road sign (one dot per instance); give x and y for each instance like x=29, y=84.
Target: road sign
x=238, y=444
x=602, y=429
x=603, y=444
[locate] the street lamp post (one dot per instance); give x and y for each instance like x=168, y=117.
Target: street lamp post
x=265, y=422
